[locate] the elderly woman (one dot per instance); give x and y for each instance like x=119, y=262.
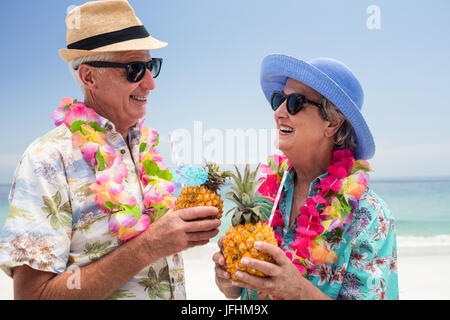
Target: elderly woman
x=343, y=248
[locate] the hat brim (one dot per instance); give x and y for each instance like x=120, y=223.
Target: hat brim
x=277, y=68
x=148, y=43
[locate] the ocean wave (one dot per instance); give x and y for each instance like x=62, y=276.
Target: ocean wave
x=442, y=240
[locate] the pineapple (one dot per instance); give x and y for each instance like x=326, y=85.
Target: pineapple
x=248, y=224
x=205, y=194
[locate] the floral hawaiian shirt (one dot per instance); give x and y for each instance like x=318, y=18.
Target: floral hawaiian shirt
x=55, y=225
x=367, y=252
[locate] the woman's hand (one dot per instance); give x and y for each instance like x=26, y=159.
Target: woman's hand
x=283, y=281
x=223, y=277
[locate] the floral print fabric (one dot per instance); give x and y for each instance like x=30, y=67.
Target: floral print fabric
x=55, y=225
x=367, y=252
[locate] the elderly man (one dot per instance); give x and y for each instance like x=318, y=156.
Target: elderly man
x=89, y=214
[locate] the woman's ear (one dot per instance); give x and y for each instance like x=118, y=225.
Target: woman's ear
x=333, y=127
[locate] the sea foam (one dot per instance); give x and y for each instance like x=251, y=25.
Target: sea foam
x=442, y=240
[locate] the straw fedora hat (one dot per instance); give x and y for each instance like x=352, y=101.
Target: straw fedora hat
x=105, y=26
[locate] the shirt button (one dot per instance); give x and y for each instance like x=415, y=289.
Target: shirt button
x=122, y=151
x=109, y=127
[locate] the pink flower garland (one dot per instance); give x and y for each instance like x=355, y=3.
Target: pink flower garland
x=341, y=189
x=126, y=220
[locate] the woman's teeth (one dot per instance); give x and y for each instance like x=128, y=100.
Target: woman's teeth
x=139, y=98
x=286, y=129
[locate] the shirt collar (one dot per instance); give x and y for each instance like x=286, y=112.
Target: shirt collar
x=106, y=124
x=133, y=131
x=317, y=180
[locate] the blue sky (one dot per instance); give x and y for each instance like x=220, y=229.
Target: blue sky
x=211, y=69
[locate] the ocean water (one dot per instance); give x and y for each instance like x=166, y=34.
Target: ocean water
x=4, y=205
x=421, y=208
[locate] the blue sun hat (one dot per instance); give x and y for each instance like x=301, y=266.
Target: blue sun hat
x=333, y=80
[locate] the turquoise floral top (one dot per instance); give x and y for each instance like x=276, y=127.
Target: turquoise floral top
x=367, y=252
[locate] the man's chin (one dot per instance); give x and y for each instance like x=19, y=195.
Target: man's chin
x=142, y=113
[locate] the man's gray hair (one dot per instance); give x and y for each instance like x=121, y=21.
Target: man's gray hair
x=345, y=137
x=75, y=63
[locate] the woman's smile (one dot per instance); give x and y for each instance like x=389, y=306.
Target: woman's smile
x=285, y=130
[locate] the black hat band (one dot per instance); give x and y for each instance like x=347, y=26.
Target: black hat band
x=105, y=39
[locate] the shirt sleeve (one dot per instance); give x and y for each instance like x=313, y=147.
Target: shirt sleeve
x=372, y=269
x=38, y=229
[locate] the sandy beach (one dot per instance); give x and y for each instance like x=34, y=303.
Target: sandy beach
x=423, y=274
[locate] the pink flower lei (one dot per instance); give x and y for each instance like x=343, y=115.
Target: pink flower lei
x=327, y=212
x=126, y=220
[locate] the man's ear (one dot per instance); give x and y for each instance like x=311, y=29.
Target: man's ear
x=87, y=76
x=333, y=127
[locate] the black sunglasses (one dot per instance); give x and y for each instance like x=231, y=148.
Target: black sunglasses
x=135, y=70
x=295, y=101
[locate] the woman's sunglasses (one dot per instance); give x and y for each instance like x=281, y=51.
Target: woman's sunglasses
x=135, y=70
x=295, y=102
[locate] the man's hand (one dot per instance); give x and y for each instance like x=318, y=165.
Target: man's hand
x=172, y=233
x=177, y=231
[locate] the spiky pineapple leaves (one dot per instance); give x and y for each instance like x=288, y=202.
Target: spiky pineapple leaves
x=250, y=207
x=211, y=176
x=216, y=176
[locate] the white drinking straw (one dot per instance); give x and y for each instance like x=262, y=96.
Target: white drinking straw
x=275, y=204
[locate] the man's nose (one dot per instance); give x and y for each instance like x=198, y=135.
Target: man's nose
x=147, y=81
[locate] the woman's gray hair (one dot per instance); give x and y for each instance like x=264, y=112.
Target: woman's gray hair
x=345, y=137
x=75, y=63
